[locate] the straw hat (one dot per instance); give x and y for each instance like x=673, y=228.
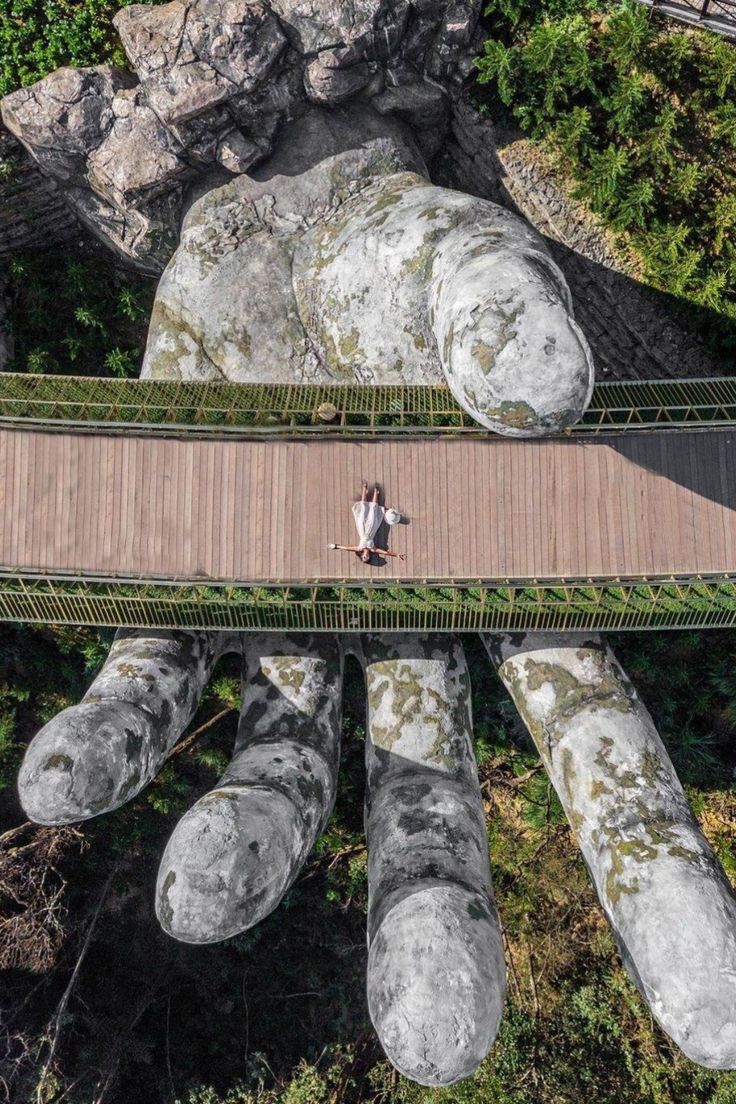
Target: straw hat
x=393, y=517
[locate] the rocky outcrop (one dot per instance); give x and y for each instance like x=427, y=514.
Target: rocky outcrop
x=214, y=82
x=117, y=167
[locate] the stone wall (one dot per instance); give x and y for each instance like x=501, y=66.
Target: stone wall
x=32, y=210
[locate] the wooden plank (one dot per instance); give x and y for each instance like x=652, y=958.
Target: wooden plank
x=228, y=505
x=111, y=459
x=682, y=464
x=706, y=516
x=243, y=510
x=723, y=498
x=173, y=501
x=593, y=520
x=31, y=504
x=727, y=452
x=82, y=537
x=18, y=505
x=640, y=522
x=504, y=481
x=241, y=513
x=6, y=516
x=218, y=511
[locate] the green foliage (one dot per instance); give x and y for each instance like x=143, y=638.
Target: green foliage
x=37, y=36
x=42, y=670
x=8, y=746
x=168, y=794
x=642, y=115
x=80, y=317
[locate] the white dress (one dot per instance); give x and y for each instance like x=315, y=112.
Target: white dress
x=368, y=517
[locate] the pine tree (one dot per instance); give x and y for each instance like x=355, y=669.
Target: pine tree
x=605, y=177
x=628, y=34
x=635, y=206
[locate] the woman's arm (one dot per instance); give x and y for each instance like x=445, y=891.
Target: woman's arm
x=385, y=552
x=344, y=548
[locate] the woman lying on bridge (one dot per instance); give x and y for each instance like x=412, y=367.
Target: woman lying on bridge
x=368, y=517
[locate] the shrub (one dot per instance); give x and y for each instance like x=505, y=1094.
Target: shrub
x=642, y=115
x=79, y=315
x=37, y=36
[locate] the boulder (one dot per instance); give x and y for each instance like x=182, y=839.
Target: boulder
x=192, y=57
x=216, y=82
x=138, y=158
x=65, y=117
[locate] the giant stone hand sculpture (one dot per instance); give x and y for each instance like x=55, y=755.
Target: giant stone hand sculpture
x=449, y=287
x=329, y=255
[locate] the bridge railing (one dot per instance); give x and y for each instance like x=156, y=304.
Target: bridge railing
x=715, y=15
x=229, y=408
x=468, y=606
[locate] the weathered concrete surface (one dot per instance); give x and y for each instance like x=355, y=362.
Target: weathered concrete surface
x=435, y=966
x=670, y=905
x=233, y=856
x=95, y=756
x=225, y=306
x=502, y=317
x=358, y=269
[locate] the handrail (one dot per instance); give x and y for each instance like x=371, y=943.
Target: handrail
x=581, y=605
x=220, y=408
x=714, y=15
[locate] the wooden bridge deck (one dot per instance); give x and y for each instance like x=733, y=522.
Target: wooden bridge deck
x=149, y=506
